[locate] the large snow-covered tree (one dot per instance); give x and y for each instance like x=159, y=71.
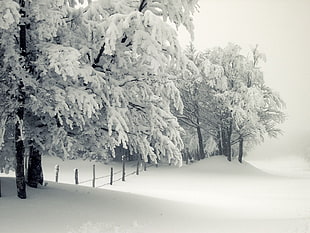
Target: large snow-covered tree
x=93, y=77
x=13, y=63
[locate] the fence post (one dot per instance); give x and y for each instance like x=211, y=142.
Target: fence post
x=57, y=172
x=138, y=167
x=94, y=175
x=124, y=172
x=0, y=187
x=144, y=166
x=76, y=175
x=111, y=176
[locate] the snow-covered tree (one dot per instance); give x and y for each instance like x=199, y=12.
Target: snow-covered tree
x=93, y=77
x=259, y=110
x=245, y=106
x=132, y=48
x=12, y=71
x=194, y=98
x=236, y=104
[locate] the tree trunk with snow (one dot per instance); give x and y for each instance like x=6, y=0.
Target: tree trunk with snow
x=19, y=144
x=240, y=157
x=225, y=142
x=200, y=143
x=220, y=142
x=35, y=172
x=19, y=141
x=226, y=139
x=229, y=133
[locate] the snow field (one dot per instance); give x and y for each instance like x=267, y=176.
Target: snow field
x=212, y=196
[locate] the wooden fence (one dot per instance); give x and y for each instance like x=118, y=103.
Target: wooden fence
x=110, y=178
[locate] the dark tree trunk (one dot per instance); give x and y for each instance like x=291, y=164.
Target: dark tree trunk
x=240, y=157
x=19, y=143
x=220, y=142
x=197, y=154
x=201, y=153
x=229, y=133
x=220, y=147
x=226, y=139
x=35, y=173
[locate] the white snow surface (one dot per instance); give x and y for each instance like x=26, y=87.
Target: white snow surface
x=210, y=196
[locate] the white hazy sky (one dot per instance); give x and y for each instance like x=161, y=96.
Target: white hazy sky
x=281, y=28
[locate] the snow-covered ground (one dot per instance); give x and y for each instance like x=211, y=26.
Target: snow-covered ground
x=288, y=155
x=290, y=165
x=210, y=196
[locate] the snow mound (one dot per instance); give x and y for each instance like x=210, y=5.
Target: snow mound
x=221, y=166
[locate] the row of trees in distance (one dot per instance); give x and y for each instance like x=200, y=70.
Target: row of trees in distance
x=227, y=104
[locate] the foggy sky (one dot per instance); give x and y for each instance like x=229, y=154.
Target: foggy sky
x=281, y=28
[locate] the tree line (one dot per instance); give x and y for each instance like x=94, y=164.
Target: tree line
x=79, y=80
x=227, y=105
x=82, y=78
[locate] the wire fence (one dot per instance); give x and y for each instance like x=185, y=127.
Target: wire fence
x=115, y=176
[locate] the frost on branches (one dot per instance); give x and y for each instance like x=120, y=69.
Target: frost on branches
x=228, y=99
x=96, y=77
x=133, y=48
x=9, y=14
